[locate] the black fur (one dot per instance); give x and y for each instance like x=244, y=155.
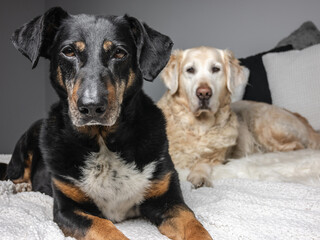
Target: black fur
x=59, y=146
x=29, y=144
x=3, y=171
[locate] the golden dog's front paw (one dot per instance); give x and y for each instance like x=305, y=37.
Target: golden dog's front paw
x=199, y=180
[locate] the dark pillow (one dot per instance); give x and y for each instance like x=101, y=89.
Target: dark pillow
x=258, y=87
x=305, y=36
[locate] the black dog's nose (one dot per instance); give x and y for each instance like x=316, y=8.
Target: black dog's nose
x=92, y=108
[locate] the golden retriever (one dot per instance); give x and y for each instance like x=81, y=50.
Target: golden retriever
x=204, y=128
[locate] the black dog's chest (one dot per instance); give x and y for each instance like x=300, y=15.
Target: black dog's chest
x=115, y=186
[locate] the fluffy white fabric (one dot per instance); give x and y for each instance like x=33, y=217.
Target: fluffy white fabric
x=294, y=81
x=233, y=209
x=5, y=158
x=298, y=166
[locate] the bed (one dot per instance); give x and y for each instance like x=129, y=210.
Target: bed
x=264, y=196
x=264, y=204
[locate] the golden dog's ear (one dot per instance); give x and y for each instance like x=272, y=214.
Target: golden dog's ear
x=170, y=73
x=237, y=76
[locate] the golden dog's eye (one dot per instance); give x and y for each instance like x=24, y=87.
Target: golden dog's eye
x=119, y=54
x=68, y=51
x=191, y=70
x=215, y=69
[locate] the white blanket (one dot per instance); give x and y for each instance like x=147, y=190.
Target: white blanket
x=232, y=209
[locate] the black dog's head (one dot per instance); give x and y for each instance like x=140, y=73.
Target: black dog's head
x=97, y=63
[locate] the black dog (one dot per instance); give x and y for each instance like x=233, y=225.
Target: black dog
x=103, y=152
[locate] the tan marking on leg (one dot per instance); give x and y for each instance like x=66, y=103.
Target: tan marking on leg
x=181, y=224
x=27, y=169
x=26, y=178
x=101, y=229
x=80, y=45
x=107, y=45
x=159, y=187
x=71, y=191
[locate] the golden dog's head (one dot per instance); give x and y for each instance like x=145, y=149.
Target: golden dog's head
x=203, y=78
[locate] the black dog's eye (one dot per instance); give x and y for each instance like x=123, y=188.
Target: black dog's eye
x=191, y=70
x=68, y=51
x=215, y=69
x=119, y=54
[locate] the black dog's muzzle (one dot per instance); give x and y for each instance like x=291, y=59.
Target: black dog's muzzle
x=92, y=101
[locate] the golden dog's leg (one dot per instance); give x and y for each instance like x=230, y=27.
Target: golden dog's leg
x=200, y=174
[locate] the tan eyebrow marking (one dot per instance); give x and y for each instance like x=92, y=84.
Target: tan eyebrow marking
x=107, y=45
x=80, y=45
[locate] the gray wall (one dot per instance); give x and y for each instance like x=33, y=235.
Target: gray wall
x=244, y=26
x=22, y=96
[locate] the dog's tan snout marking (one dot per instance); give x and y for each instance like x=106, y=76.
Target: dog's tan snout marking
x=204, y=92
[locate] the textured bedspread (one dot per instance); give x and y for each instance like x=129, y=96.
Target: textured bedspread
x=232, y=209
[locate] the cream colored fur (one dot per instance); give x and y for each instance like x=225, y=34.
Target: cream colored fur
x=301, y=166
x=267, y=128
x=199, y=139
x=202, y=138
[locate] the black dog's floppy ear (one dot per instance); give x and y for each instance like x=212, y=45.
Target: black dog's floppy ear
x=34, y=39
x=154, y=48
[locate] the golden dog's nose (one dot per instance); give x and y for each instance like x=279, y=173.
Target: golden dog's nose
x=204, y=93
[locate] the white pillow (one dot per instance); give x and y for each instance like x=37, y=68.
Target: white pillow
x=294, y=81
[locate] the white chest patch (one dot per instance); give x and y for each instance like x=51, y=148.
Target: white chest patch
x=116, y=187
